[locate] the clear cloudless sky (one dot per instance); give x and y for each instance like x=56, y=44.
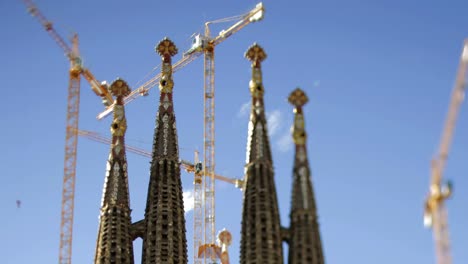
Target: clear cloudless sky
x=378, y=75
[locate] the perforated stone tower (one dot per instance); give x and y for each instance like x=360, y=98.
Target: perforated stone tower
x=261, y=241
x=164, y=238
x=114, y=242
x=305, y=245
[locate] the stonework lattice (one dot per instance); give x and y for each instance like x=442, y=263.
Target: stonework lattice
x=305, y=246
x=114, y=243
x=261, y=231
x=164, y=239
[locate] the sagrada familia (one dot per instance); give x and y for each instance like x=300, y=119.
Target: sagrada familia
x=163, y=228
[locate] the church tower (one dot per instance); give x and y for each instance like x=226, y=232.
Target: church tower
x=164, y=238
x=305, y=246
x=114, y=242
x=261, y=241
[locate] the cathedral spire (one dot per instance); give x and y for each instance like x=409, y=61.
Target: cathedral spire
x=305, y=246
x=114, y=243
x=261, y=231
x=164, y=239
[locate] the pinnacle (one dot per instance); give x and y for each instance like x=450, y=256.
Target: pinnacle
x=298, y=98
x=255, y=53
x=119, y=88
x=166, y=47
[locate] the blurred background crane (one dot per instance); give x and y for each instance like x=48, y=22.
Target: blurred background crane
x=204, y=231
x=186, y=165
x=71, y=137
x=435, y=212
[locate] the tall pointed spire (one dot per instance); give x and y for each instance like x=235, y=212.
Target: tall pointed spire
x=305, y=246
x=114, y=243
x=164, y=240
x=261, y=231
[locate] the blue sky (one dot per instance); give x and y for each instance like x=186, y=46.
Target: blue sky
x=378, y=75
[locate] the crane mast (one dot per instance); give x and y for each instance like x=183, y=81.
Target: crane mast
x=71, y=131
x=208, y=45
x=69, y=171
x=209, y=148
x=435, y=214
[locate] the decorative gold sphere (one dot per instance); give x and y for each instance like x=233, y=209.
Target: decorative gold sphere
x=255, y=53
x=225, y=237
x=298, y=98
x=119, y=88
x=166, y=47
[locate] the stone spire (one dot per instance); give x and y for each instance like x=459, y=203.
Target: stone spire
x=261, y=231
x=164, y=239
x=305, y=246
x=114, y=242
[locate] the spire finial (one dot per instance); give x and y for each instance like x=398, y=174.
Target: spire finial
x=166, y=48
x=256, y=54
x=298, y=98
x=119, y=88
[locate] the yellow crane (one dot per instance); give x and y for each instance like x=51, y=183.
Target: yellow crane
x=207, y=44
x=196, y=50
x=186, y=165
x=435, y=212
x=204, y=190
x=71, y=137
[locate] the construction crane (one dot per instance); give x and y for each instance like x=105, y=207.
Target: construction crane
x=186, y=165
x=207, y=44
x=196, y=50
x=72, y=54
x=435, y=213
x=71, y=137
x=204, y=222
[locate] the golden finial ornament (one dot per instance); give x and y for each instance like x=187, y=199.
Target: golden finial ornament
x=119, y=88
x=298, y=99
x=166, y=49
x=256, y=55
